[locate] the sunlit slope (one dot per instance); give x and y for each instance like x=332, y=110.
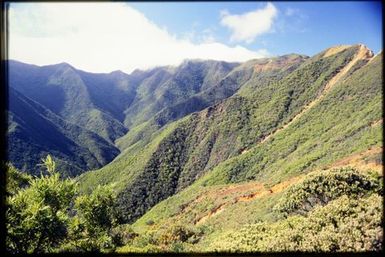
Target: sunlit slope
x=345, y=121
x=224, y=140
x=143, y=134
x=348, y=115
x=344, y=129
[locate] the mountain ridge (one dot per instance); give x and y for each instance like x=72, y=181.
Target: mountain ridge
x=211, y=152
x=334, y=63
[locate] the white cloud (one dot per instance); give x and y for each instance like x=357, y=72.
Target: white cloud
x=102, y=37
x=246, y=27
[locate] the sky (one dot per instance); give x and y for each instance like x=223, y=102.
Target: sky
x=107, y=36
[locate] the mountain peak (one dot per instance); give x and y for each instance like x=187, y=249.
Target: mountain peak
x=334, y=50
x=339, y=48
x=64, y=64
x=118, y=73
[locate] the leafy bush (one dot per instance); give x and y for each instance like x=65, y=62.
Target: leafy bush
x=321, y=187
x=175, y=238
x=345, y=224
x=123, y=234
x=95, y=217
x=15, y=179
x=175, y=234
x=37, y=219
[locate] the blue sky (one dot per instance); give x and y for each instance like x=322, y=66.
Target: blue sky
x=102, y=37
x=300, y=27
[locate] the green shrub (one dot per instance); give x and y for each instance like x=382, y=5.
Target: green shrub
x=40, y=218
x=15, y=179
x=91, y=228
x=321, y=187
x=174, y=234
x=345, y=224
x=123, y=234
x=36, y=217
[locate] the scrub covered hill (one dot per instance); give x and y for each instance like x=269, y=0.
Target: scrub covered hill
x=226, y=143
x=225, y=158
x=108, y=105
x=252, y=202
x=184, y=144
x=34, y=131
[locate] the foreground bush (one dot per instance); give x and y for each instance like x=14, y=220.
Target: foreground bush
x=40, y=217
x=319, y=188
x=338, y=210
x=175, y=238
x=37, y=219
x=342, y=225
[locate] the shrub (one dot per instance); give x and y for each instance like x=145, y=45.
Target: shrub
x=37, y=219
x=345, y=224
x=321, y=187
x=95, y=217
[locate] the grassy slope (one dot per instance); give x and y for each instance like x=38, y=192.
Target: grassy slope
x=338, y=126
x=344, y=123
x=223, y=86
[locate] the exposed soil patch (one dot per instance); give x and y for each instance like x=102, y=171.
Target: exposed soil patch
x=367, y=160
x=259, y=191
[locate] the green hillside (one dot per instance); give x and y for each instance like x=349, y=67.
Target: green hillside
x=221, y=212
x=76, y=96
x=34, y=132
x=102, y=103
x=224, y=141
x=274, y=154
x=345, y=123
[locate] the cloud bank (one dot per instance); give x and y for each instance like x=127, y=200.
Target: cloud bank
x=102, y=37
x=246, y=27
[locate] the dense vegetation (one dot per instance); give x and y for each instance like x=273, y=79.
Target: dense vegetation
x=346, y=224
x=206, y=156
x=323, y=187
x=45, y=214
x=34, y=132
x=337, y=210
x=214, y=138
x=339, y=125
x=103, y=105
